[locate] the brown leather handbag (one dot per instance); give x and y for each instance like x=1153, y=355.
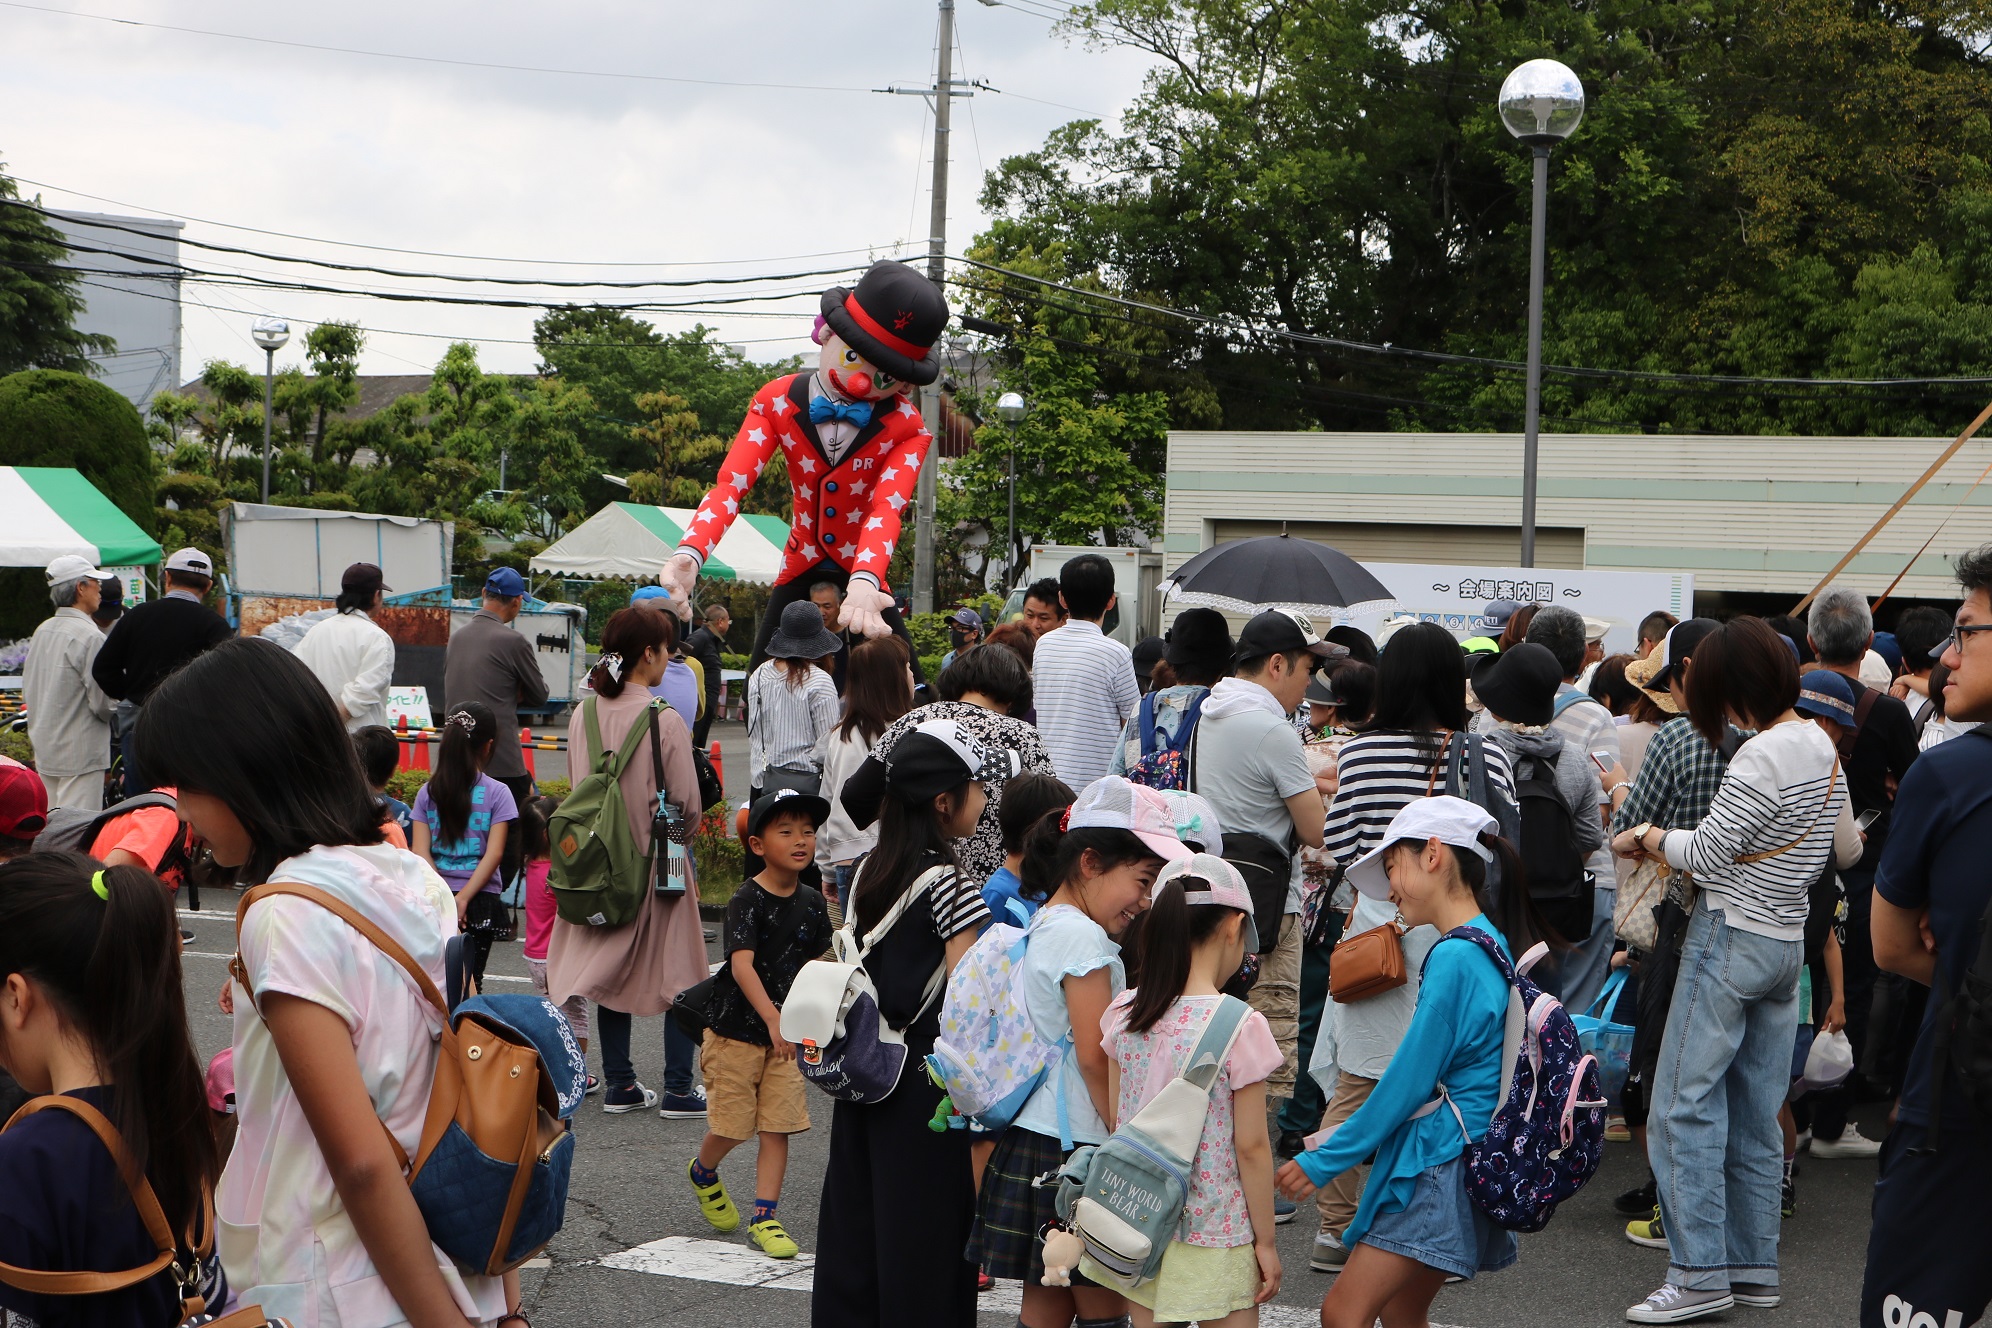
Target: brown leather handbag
x=178, y=1258
x=1368, y=963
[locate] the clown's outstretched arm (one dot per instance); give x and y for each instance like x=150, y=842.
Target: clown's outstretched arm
x=745, y=460
x=866, y=600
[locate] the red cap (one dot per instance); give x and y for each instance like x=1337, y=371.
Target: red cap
x=23, y=801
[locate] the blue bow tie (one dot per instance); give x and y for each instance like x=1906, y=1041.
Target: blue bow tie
x=823, y=408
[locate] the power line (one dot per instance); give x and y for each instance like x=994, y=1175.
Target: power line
x=437, y=253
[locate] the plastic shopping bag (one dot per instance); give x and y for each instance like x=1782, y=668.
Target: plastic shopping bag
x=1830, y=1061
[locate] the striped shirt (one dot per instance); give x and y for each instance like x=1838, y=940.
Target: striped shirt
x=1781, y=794
x=1085, y=690
x=1378, y=773
x=784, y=723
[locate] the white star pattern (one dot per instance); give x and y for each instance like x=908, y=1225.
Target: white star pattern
x=788, y=442
x=759, y=466
x=876, y=523
x=805, y=493
x=857, y=486
x=757, y=435
x=781, y=405
x=912, y=459
x=888, y=473
x=802, y=519
x=703, y=515
x=896, y=500
x=906, y=407
x=732, y=508
x=742, y=481
x=888, y=547
x=851, y=517
x=808, y=466
x=866, y=556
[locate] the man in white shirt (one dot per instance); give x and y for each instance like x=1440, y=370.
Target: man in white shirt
x=69, y=716
x=1246, y=761
x=352, y=656
x=1083, y=679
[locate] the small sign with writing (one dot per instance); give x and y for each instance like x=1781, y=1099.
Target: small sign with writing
x=411, y=702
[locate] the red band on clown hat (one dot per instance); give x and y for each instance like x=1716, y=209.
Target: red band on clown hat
x=878, y=330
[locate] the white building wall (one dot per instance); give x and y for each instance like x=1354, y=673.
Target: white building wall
x=137, y=304
x=1741, y=513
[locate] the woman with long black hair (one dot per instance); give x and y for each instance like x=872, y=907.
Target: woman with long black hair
x=898, y=1197
x=315, y=1219
x=91, y=1009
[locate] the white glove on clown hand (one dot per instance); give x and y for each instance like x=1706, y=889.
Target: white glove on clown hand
x=864, y=609
x=680, y=571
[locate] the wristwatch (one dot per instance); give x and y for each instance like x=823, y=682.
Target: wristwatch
x=1639, y=834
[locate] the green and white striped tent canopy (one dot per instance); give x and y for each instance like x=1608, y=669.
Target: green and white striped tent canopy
x=47, y=511
x=633, y=540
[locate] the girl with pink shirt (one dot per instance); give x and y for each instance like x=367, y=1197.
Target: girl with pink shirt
x=1222, y=1264
x=534, y=818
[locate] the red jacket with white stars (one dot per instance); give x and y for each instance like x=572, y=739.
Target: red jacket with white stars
x=849, y=513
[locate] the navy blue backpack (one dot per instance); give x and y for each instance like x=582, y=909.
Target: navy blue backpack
x=1548, y=1133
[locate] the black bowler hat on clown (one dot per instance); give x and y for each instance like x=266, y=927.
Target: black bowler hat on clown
x=893, y=319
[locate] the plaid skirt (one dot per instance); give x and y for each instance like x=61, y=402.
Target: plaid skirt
x=1010, y=1211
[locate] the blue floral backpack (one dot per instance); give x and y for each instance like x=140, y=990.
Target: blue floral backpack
x=1163, y=764
x=1548, y=1133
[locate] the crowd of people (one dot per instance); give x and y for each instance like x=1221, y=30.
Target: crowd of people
x=1749, y=847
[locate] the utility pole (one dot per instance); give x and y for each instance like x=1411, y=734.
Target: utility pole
x=943, y=93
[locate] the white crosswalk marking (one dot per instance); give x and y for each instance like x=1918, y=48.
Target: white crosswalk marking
x=742, y=1265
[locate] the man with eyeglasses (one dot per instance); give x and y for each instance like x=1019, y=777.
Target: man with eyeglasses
x=1926, y=1251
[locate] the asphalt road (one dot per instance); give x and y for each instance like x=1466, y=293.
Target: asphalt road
x=635, y=1250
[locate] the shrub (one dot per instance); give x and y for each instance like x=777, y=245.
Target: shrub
x=16, y=745
x=717, y=857
x=52, y=418
x=405, y=784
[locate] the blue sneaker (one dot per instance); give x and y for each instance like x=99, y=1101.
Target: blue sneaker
x=1283, y=1210
x=619, y=1101
x=684, y=1106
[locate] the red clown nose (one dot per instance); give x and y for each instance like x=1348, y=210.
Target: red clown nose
x=858, y=384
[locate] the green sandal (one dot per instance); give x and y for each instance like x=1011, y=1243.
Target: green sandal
x=718, y=1209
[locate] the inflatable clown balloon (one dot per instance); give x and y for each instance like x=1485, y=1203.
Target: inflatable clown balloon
x=854, y=445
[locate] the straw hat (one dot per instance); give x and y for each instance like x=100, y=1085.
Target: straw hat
x=1640, y=672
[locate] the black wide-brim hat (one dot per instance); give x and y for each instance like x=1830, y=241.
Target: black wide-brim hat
x=1519, y=685
x=893, y=318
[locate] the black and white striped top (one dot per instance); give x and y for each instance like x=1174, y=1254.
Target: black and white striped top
x=1378, y=773
x=1783, y=787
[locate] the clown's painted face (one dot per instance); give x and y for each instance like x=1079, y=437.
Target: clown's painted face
x=851, y=373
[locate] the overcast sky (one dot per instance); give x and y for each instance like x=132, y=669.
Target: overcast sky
x=531, y=166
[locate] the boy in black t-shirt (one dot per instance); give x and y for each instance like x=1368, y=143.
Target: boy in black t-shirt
x=774, y=925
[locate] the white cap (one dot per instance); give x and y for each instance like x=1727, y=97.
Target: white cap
x=1449, y=820
x=1595, y=628
x=1225, y=887
x=73, y=567
x=191, y=560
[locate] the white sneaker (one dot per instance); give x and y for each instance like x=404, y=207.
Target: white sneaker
x=1852, y=1143
x=1672, y=1304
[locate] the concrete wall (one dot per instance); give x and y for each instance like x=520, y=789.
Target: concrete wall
x=1742, y=514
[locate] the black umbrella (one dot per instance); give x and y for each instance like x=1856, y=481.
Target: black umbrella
x=1280, y=572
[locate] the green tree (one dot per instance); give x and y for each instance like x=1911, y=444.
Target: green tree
x=331, y=387
x=1087, y=463
x=51, y=417
x=39, y=300
x=1744, y=177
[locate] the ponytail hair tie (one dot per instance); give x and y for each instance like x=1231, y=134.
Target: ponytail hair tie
x=98, y=887
x=464, y=720
x=1065, y=821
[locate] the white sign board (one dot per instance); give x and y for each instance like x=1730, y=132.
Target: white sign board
x=1453, y=596
x=411, y=703
x=133, y=579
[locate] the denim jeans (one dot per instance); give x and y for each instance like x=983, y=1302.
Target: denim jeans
x=1712, y=1135
x=613, y=1029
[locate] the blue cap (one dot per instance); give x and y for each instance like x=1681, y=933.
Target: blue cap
x=644, y=593
x=1826, y=694
x=536, y=1020
x=1889, y=649
x=505, y=583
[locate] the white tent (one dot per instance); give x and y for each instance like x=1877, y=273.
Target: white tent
x=53, y=510
x=632, y=540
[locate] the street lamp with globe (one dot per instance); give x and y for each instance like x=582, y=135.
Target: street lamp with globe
x=1541, y=103
x=270, y=334
x=1011, y=409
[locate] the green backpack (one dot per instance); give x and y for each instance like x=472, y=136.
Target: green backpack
x=599, y=878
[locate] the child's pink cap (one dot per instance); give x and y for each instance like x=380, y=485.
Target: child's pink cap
x=221, y=1081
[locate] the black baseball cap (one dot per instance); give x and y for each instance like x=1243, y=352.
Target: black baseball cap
x=362, y=579
x=1277, y=632
x=1682, y=638
x=1148, y=652
x=786, y=800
